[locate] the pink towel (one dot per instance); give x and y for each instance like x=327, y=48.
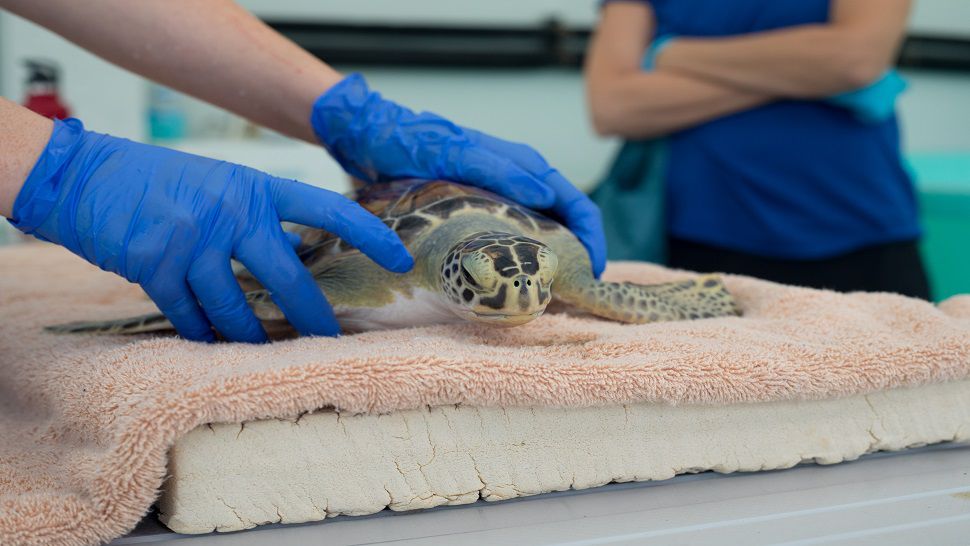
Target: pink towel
x=85, y=422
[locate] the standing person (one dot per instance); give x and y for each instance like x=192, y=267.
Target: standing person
x=170, y=221
x=782, y=147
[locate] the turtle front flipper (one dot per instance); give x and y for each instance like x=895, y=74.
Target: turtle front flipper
x=703, y=297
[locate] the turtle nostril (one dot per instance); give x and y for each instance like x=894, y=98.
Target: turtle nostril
x=522, y=284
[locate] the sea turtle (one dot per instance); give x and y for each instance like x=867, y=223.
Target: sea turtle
x=478, y=257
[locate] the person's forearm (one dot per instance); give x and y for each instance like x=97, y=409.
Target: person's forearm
x=804, y=62
x=808, y=61
x=649, y=104
x=213, y=50
x=23, y=136
x=627, y=101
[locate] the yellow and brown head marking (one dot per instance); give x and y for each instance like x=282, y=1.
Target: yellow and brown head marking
x=499, y=278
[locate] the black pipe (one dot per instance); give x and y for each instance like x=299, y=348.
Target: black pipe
x=549, y=44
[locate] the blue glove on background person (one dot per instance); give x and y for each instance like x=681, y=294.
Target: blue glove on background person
x=653, y=51
x=875, y=102
x=171, y=221
x=375, y=139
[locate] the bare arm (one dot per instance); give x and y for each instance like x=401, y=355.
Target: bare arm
x=808, y=61
x=23, y=136
x=626, y=101
x=213, y=50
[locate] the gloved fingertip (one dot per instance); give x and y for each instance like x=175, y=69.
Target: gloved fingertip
x=403, y=259
x=390, y=253
x=256, y=337
x=547, y=192
x=321, y=322
x=401, y=264
x=548, y=196
x=597, y=264
x=203, y=336
x=294, y=239
x=596, y=249
x=598, y=270
x=534, y=194
x=327, y=329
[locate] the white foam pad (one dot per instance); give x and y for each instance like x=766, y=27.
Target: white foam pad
x=228, y=477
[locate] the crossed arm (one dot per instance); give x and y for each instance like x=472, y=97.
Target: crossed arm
x=699, y=79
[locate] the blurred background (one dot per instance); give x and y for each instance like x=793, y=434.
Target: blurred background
x=506, y=67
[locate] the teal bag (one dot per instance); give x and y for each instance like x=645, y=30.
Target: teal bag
x=632, y=200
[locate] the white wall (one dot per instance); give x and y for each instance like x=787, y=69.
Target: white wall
x=96, y=90
x=542, y=107
x=505, y=12
x=941, y=17
x=945, y=17
x=935, y=112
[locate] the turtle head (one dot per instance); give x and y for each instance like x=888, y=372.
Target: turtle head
x=498, y=278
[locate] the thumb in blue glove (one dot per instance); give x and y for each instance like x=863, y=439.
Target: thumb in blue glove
x=375, y=139
x=875, y=102
x=171, y=221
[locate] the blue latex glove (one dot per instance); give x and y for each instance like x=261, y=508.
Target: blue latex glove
x=875, y=102
x=375, y=139
x=171, y=221
x=650, y=58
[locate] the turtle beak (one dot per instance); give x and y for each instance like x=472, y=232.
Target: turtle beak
x=503, y=320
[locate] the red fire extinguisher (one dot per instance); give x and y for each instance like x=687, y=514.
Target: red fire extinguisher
x=42, y=90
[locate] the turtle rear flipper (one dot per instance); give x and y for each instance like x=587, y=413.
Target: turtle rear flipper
x=703, y=297
x=259, y=300
x=155, y=322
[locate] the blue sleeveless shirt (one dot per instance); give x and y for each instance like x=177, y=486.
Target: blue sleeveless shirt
x=791, y=179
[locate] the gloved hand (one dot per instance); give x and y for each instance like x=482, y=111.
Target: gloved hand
x=874, y=102
x=171, y=221
x=650, y=57
x=376, y=139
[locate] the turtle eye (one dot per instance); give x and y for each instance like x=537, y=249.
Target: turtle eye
x=468, y=278
x=478, y=271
